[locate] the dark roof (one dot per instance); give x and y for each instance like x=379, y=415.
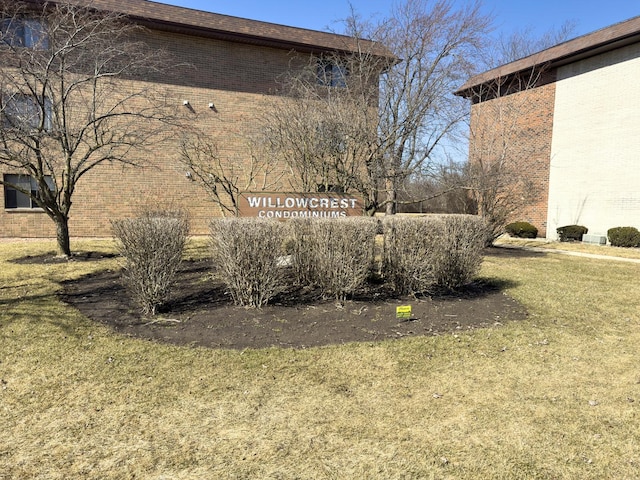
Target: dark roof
x=595, y=43
x=200, y=23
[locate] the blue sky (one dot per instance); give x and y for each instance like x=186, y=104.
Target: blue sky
x=510, y=15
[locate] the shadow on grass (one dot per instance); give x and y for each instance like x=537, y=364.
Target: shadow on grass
x=511, y=252
x=53, y=258
x=479, y=288
x=36, y=310
x=6, y=304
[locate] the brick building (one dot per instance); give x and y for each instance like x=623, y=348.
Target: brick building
x=568, y=120
x=227, y=69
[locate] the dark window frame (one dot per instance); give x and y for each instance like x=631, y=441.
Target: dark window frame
x=15, y=199
x=21, y=110
x=330, y=73
x=330, y=188
x=24, y=32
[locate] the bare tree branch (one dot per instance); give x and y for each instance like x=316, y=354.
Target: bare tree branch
x=388, y=117
x=69, y=101
x=501, y=143
x=225, y=179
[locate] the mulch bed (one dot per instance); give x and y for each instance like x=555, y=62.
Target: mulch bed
x=200, y=312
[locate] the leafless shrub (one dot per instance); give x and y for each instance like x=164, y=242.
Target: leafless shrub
x=427, y=252
x=151, y=246
x=300, y=248
x=335, y=254
x=456, y=254
x=406, y=262
x=247, y=252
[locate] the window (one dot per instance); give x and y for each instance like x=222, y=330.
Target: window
x=331, y=74
x=330, y=188
x=14, y=198
x=25, y=111
x=24, y=32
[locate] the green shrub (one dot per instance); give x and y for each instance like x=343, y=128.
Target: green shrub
x=151, y=246
x=521, y=230
x=624, y=237
x=247, y=254
x=571, y=233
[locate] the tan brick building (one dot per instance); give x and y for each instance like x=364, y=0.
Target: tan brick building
x=227, y=69
x=568, y=121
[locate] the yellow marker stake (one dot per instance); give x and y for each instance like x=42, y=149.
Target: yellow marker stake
x=403, y=311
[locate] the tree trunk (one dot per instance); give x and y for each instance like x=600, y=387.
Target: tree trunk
x=390, y=187
x=62, y=235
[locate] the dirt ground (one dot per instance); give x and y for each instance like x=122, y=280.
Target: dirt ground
x=200, y=313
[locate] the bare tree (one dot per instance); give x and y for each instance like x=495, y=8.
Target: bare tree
x=524, y=42
x=495, y=183
x=224, y=179
x=437, y=46
x=69, y=101
x=323, y=126
x=441, y=192
x=364, y=121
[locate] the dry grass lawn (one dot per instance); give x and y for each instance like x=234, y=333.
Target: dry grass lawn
x=553, y=397
x=579, y=247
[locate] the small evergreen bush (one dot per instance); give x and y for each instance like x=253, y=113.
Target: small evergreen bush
x=624, y=237
x=521, y=230
x=247, y=254
x=570, y=233
x=151, y=246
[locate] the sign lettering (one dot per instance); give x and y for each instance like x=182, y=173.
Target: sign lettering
x=283, y=206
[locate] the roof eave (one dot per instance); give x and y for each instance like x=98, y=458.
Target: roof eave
x=161, y=16
x=236, y=37
x=549, y=59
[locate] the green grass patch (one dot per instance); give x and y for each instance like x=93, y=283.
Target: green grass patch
x=556, y=396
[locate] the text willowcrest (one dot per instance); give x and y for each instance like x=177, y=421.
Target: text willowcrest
x=299, y=205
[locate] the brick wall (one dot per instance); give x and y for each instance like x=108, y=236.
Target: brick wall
x=517, y=128
x=236, y=78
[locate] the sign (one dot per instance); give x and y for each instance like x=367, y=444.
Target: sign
x=283, y=206
x=403, y=312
